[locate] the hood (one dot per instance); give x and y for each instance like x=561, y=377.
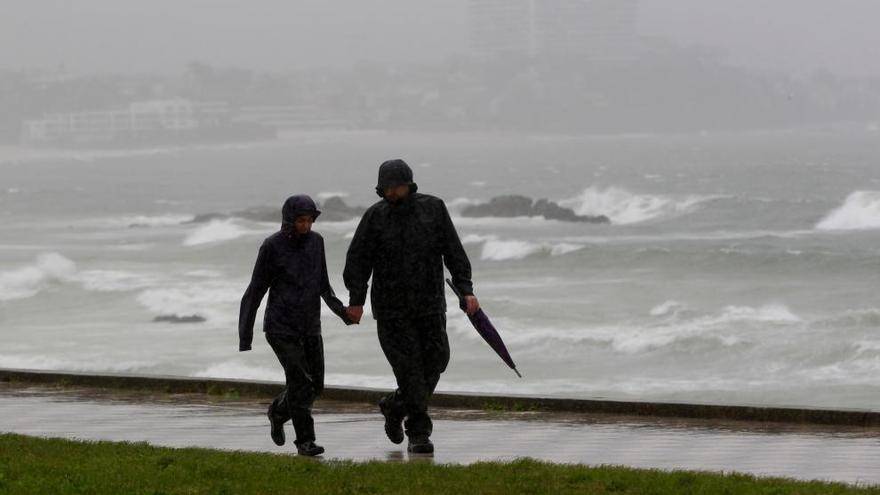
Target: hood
x=298, y=205
x=394, y=173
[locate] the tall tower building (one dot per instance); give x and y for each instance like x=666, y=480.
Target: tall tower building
x=595, y=30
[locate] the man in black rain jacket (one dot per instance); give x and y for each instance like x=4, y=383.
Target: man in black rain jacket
x=292, y=267
x=403, y=241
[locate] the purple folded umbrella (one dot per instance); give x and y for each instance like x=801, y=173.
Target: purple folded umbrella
x=486, y=330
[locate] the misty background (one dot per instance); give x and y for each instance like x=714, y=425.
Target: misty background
x=570, y=67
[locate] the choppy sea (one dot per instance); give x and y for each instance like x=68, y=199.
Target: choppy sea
x=739, y=268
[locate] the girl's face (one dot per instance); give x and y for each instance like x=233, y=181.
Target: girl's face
x=303, y=224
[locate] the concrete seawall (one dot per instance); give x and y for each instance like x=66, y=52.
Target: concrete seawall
x=260, y=389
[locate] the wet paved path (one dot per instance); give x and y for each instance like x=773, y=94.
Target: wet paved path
x=355, y=432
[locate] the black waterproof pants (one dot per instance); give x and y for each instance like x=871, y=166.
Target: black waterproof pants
x=418, y=351
x=303, y=362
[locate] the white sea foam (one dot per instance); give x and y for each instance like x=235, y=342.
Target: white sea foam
x=726, y=328
x=456, y=205
x=126, y=221
x=498, y=250
x=215, y=231
x=476, y=238
x=214, y=300
x=29, y=280
x=624, y=207
x=84, y=363
x=564, y=248
x=504, y=250
x=770, y=313
x=667, y=308
x=114, y=280
x=860, y=211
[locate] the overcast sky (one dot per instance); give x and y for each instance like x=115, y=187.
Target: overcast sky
x=162, y=35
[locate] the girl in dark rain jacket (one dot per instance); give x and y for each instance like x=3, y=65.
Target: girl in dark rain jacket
x=291, y=266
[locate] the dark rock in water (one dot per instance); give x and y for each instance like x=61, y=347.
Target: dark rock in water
x=179, y=319
x=502, y=206
x=334, y=209
x=260, y=214
x=552, y=211
x=522, y=206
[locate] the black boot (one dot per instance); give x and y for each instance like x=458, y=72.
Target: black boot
x=277, y=426
x=393, y=423
x=309, y=448
x=420, y=445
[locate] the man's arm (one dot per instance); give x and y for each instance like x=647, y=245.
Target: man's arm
x=359, y=264
x=456, y=260
x=250, y=302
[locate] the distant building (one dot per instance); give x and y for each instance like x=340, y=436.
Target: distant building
x=590, y=30
x=177, y=120
x=290, y=117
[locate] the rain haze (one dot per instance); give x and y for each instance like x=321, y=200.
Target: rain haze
x=106, y=36
x=661, y=200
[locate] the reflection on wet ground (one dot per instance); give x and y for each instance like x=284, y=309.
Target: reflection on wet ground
x=354, y=431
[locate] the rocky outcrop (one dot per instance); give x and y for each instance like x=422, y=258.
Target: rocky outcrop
x=335, y=209
x=522, y=206
x=179, y=319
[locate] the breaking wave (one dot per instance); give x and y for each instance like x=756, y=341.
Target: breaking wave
x=54, y=269
x=114, y=280
x=29, y=280
x=624, y=207
x=215, y=231
x=667, y=308
x=860, y=211
x=456, y=205
x=505, y=250
x=214, y=300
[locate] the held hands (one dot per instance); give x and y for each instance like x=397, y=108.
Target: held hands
x=355, y=313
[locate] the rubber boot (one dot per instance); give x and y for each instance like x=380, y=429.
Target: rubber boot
x=276, y=426
x=309, y=448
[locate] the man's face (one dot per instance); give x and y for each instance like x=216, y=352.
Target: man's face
x=303, y=224
x=396, y=193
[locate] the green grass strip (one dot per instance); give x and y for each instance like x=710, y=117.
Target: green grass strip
x=31, y=465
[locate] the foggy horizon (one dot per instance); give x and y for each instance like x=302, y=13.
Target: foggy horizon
x=101, y=37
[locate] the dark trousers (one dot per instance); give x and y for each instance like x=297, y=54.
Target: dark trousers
x=418, y=351
x=303, y=361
